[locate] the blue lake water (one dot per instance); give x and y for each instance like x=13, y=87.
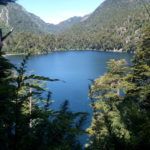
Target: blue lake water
x=76, y=69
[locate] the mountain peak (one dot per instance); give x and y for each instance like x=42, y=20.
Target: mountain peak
x=26, y=21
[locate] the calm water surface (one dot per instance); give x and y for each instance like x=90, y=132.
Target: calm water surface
x=76, y=68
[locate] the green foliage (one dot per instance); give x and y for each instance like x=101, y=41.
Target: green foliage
x=119, y=99
x=114, y=25
x=14, y=15
x=27, y=120
x=25, y=116
x=6, y=104
x=27, y=22
x=121, y=121
x=107, y=125
x=28, y=42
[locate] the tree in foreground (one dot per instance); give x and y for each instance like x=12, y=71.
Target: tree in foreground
x=121, y=121
x=108, y=130
x=27, y=120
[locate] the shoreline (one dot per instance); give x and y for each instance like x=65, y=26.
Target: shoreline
x=110, y=51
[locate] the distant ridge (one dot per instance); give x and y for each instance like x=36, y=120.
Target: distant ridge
x=14, y=15
x=115, y=24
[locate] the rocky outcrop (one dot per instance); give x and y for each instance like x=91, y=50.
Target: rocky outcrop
x=4, y=16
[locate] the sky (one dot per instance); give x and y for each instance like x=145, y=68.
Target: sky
x=55, y=11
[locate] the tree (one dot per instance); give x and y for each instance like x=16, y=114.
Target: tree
x=25, y=116
x=137, y=104
x=6, y=96
x=107, y=130
x=25, y=125
x=121, y=121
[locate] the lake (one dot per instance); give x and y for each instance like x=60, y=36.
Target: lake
x=75, y=69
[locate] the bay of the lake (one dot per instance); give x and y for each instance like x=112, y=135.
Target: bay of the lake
x=75, y=69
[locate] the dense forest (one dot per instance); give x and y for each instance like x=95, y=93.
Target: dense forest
x=120, y=100
x=26, y=119
x=119, y=120
x=116, y=25
x=28, y=22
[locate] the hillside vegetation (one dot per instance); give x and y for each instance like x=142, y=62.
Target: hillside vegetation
x=28, y=22
x=120, y=100
x=14, y=15
x=116, y=25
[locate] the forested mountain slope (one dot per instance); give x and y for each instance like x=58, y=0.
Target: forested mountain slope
x=115, y=24
x=65, y=25
x=14, y=15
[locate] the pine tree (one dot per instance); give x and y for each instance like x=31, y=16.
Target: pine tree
x=107, y=130
x=26, y=118
x=122, y=121
x=136, y=103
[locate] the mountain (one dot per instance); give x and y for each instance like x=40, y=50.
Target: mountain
x=65, y=25
x=115, y=24
x=14, y=15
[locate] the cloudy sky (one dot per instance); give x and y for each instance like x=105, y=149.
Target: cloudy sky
x=55, y=11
